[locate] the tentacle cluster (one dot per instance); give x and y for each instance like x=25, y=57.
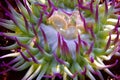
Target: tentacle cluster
x=62, y=37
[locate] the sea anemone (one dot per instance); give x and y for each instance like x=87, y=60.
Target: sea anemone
x=62, y=38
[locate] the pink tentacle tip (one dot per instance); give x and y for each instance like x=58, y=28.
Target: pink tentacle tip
x=84, y=71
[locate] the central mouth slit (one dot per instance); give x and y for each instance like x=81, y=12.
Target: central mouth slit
x=69, y=26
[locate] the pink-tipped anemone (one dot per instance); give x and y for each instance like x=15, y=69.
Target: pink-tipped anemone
x=62, y=38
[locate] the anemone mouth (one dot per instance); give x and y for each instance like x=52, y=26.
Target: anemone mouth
x=69, y=26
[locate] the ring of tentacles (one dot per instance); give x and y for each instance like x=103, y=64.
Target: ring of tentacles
x=62, y=38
